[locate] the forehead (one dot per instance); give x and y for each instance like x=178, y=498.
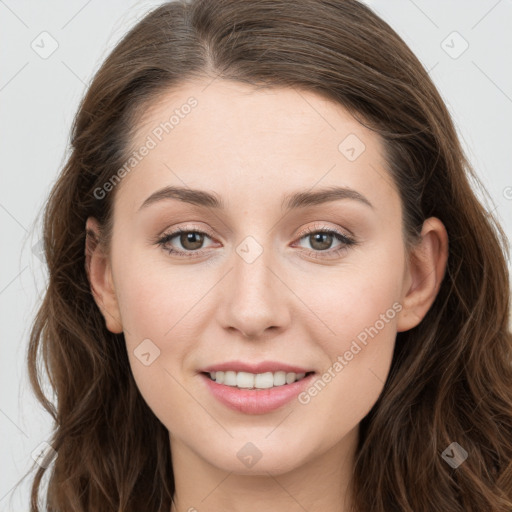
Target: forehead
x=227, y=136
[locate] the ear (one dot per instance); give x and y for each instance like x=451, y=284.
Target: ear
x=99, y=273
x=424, y=274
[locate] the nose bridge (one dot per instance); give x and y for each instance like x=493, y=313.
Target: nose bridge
x=253, y=262
x=258, y=297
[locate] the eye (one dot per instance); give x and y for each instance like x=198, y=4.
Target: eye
x=321, y=239
x=191, y=240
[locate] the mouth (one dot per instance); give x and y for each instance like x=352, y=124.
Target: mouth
x=258, y=381
x=261, y=393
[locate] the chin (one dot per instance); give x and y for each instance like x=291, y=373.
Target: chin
x=252, y=458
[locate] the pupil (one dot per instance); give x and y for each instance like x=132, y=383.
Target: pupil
x=324, y=245
x=187, y=240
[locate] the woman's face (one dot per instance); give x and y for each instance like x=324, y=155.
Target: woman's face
x=254, y=281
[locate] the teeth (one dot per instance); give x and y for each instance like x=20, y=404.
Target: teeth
x=245, y=380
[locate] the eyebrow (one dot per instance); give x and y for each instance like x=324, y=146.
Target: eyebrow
x=293, y=201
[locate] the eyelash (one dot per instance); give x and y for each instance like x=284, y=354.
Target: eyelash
x=347, y=242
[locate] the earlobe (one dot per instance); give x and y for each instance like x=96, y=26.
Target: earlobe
x=426, y=270
x=99, y=273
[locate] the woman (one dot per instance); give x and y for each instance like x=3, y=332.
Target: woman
x=270, y=283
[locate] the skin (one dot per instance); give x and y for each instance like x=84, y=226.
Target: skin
x=251, y=148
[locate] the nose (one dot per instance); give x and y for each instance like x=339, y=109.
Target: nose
x=256, y=299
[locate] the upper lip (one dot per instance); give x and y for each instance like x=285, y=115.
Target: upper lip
x=262, y=367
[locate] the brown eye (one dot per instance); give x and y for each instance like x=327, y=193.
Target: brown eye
x=321, y=241
x=184, y=242
x=191, y=240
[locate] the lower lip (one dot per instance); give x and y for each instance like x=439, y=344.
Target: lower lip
x=256, y=401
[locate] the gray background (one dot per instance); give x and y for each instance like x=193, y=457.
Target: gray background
x=39, y=96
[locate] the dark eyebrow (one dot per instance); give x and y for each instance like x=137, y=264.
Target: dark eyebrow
x=290, y=202
x=324, y=195
x=187, y=195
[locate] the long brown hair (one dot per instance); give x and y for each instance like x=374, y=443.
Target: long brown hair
x=451, y=376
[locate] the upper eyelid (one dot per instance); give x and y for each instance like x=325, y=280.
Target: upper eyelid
x=351, y=240
x=330, y=254
x=312, y=229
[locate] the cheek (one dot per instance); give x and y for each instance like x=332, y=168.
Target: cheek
x=155, y=298
x=359, y=307
x=156, y=307
x=353, y=377
x=356, y=298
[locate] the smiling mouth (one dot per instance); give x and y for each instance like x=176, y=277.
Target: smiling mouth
x=246, y=380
